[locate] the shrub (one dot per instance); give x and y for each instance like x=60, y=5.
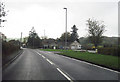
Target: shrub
x=8, y=48
x=109, y=51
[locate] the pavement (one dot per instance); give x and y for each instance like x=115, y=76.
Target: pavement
x=34, y=64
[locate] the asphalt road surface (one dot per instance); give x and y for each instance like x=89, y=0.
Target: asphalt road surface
x=34, y=64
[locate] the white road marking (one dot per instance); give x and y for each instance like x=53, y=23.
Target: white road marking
x=43, y=56
x=38, y=53
x=64, y=75
x=23, y=52
x=96, y=65
x=49, y=61
x=93, y=65
x=87, y=63
x=49, y=52
x=57, y=68
x=16, y=56
x=13, y=59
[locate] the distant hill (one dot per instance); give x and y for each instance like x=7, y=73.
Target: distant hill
x=106, y=41
x=110, y=40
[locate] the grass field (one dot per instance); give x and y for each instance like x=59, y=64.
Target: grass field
x=105, y=60
x=61, y=50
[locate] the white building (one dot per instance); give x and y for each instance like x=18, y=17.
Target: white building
x=75, y=45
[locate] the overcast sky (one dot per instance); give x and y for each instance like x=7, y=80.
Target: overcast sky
x=50, y=15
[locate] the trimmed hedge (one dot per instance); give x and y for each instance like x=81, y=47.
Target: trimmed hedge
x=109, y=51
x=8, y=48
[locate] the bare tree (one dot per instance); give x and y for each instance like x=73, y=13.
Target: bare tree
x=95, y=30
x=2, y=13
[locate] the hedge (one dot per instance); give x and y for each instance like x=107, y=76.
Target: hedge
x=109, y=51
x=8, y=48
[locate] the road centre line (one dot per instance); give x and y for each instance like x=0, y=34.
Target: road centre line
x=57, y=68
x=38, y=53
x=43, y=56
x=64, y=75
x=50, y=61
x=93, y=64
x=46, y=59
x=90, y=64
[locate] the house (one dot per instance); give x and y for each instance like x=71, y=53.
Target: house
x=49, y=43
x=75, y=45
x=61, y=45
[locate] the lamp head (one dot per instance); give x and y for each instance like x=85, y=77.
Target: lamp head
x=64, y=8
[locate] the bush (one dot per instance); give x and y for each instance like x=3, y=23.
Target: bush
x=8, y=48
x=87, y=47
x=109, y=51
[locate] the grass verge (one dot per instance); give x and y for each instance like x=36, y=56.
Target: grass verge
x=99, y=59
x=61, y=50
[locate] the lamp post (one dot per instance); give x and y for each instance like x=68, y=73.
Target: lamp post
x=21, y=41
x=66, y=29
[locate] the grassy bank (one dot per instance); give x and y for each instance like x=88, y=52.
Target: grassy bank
x=61, y=50
x=104, y=60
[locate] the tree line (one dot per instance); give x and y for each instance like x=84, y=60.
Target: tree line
x=34, y=41
x=95, y=32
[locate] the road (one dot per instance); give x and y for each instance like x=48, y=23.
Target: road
x=34, y=64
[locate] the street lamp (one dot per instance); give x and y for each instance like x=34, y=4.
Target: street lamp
x=21, y=41
x=66, y=29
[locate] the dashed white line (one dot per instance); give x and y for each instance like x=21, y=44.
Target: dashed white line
x=49, y=61
x=43, y=56
x=57, y=68
x=64, y=75
x=38, y=53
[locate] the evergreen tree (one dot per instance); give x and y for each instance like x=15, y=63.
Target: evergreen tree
x=74, y=34
x=33, y=40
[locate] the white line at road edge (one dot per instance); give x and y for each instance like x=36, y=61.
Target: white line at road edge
x=13, y=59
x=49, y=52
x=98, y=66
x=17, y=56
x=49, y=61
x=64, y=75
x=93, y=65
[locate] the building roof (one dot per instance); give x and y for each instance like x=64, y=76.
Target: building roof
x=75, y=43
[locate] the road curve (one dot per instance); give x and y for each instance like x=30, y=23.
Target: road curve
x=34, y=64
